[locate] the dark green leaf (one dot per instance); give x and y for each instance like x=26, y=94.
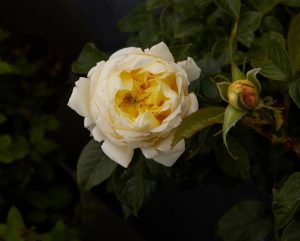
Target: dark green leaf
x=231, y=116
x=265, y=6
x=294, y=91
x=14, y=219
x=287, y=200
x=180, y=51
x=209, y=66
x=153, y=4
x=131, y=187
x=234, y=167
x=198, y=121
x=3, y=228
x=270, y=54
x=223, y=89
x=5, y=142
x=87, y=59
x=271, y=23
x=293, y=41
x=38, y=199
x=2, y=118
x=59, y=196
x=58, y=232
x=291, y=232
x=93, y=166
x=247, y=221
x=7, y=68
x=231, y=7
x=187, y=28
x=291, y=3
x=248, y=24
x=46, y=146
x=19, y=148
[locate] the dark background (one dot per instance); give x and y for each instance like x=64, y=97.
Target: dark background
x=174, y=214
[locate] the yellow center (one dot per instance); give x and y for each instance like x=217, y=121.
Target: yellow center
x=146, y=94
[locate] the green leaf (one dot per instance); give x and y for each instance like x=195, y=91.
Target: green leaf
x=2, y=118
x=248, y=24
x=58, y=232
x=265, y=6
x=234, y=167
x=88, y=58
x=5, y=142
x=293, y=41
x=93, y=166
x=271, y=23
x=223, y=89
x=14, y=219
x=131, y=187
x=231, y=7
x=287, y=200
x=19, y=148
x=198, y=121
x=59, y=197
x=7, y=68
x=247, y=221
x=180, y=51
x=231, y=116
x=153, y=4
x=269, y=54
x=291, y=232
x=291, y=3
x=294, y=91
x=187, y=28
x=38, y=199
x=3, y=230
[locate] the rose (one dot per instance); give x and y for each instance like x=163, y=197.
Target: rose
x=136, y=99
x=243, y=94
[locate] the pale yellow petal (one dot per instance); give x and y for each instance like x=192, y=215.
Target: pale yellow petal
x=161, y=50
x=191, y=68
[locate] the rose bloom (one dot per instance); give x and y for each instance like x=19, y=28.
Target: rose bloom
x=136, y=99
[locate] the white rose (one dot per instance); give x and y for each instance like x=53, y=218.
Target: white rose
x=136, y=99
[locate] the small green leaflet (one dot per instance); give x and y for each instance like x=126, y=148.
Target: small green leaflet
x=293, y=41
x=197, y=121
x=231, y=7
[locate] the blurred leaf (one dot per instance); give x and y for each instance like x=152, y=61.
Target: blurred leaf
x=131, y=187
x=59, y=196
x=3, y=34
x=270, y=54
x=93, y=166
x=293, y=41
x=234, y=167
x=20, y=147
x=180, y=51
x=7, y=68
x=291, y=3
x=37, y=217
x=271, y=23
x=231, y=116
x=5, y=142
x=247, y=221
x=231, y=7
x=2, y=118
x=248, y=24
x=134, y=21
x=197, y=121
x=153, y=4
x=88, y=58
x=14, y=219
x=58, y=232
x=209, y=66
x=37, y=199
x=3, y=228
x=291, y=232
x=265, y=6
x=223, y=89
x=294, y=91
x=187, y=28
x=45, y=146
x=36, y=134
x=287, y=200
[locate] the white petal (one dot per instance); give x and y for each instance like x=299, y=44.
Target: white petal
x=121, y=155
x=155, y=68
x=146, y=121
x=80, y=99
x=194, y=104
x=191, y=68
x=126, y=51
x=160, y=50
x=149, y=152
x=97, y=134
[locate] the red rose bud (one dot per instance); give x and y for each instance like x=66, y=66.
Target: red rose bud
x=243, y=94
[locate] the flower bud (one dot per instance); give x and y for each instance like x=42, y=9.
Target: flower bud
x=243, y=94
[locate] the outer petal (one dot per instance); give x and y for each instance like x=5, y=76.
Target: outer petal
x=161, y=50
x=163, y=153
x=194, y=104
x=97, y=134
x=80, y=99
x=121, y=155
x=126, y=51
x=191, y=68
